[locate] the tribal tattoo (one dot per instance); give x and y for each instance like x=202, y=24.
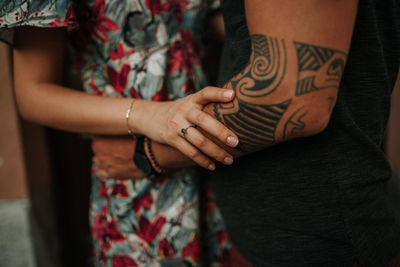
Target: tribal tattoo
x=331, y=103
x=266, y=70
x=255, y=114
x=255, y=124
x=319, y=68
x=294, y=123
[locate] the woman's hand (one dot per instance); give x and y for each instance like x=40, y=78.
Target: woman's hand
x=113, y=157
x=163, y=122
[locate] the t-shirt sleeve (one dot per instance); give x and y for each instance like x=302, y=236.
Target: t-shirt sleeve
x=35, y=13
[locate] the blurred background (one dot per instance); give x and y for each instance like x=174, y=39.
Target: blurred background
x=44, y=185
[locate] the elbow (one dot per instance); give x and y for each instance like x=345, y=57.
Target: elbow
x=22, y=109
x=318, y=124
x=23, y=112
x=304, y=122
x=23, y=103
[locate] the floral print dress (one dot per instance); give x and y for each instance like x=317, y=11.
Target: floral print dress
x=149, y=49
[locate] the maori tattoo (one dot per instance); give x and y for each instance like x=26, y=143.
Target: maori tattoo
x=266, y=69
x=331, y=103
x=319, y=68
x=261, y=115
x=255, y=124
x=294, y=123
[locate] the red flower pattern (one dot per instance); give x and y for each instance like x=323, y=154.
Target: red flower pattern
x=222, y=237
x=69, y=19
x=119, y=79
x=123, y=261
x=95, y=89
x=154, y=6
x=120, y=52
x=161, y=95
x=183, y=54
x=176, y=7
x=102, y=257
x=102, y=24
x=103, y=190
x=165, y=249
x=188, y=87
x=106, y=231
x=119, y=190
x=145, y=202
x=192, y=249
x=148, y=231
x=134, y=93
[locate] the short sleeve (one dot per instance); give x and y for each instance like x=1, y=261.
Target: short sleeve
x=36, y=13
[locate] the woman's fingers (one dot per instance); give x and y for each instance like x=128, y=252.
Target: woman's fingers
x=213, y=127
x=194, y=154
x=213, y=94
x=208, y=147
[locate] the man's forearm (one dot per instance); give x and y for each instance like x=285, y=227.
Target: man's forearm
x=272, y=103
x=290, y=85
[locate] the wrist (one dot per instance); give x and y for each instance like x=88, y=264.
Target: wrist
x=139, y=116
x=150, y=156
x=170, y=158
x=142, y=159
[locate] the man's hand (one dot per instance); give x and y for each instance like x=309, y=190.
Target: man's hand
x=113, y=157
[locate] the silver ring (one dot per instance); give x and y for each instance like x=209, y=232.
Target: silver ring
x=184, y=130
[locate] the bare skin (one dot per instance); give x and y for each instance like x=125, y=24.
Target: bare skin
x=38, y=64
x=305, y=94
x=113, y=157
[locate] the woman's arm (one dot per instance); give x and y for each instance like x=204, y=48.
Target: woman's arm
x=38, y=65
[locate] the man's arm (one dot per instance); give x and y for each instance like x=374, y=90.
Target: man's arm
x=290, y=85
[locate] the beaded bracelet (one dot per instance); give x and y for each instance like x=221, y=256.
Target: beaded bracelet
x=151, y=158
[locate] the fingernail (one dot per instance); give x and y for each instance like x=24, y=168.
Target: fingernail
x=228, y=160
x=232, y=141
x=211, y=167
x=228, y=94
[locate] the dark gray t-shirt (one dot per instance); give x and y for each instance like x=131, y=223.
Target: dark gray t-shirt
x=321, y=200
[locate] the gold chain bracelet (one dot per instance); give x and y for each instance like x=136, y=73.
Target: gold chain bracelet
x=128, y=113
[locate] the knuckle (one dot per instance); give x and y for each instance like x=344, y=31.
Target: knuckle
x=207, y=88
x=173, y=122
x=223, y=133
x=181, y=109
x=201, y=142
x=221, y=155
x=203, y=93
x=170, y=138
x=200, y=117
x=205, y=162
x=189, y=98
x=193, y=154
